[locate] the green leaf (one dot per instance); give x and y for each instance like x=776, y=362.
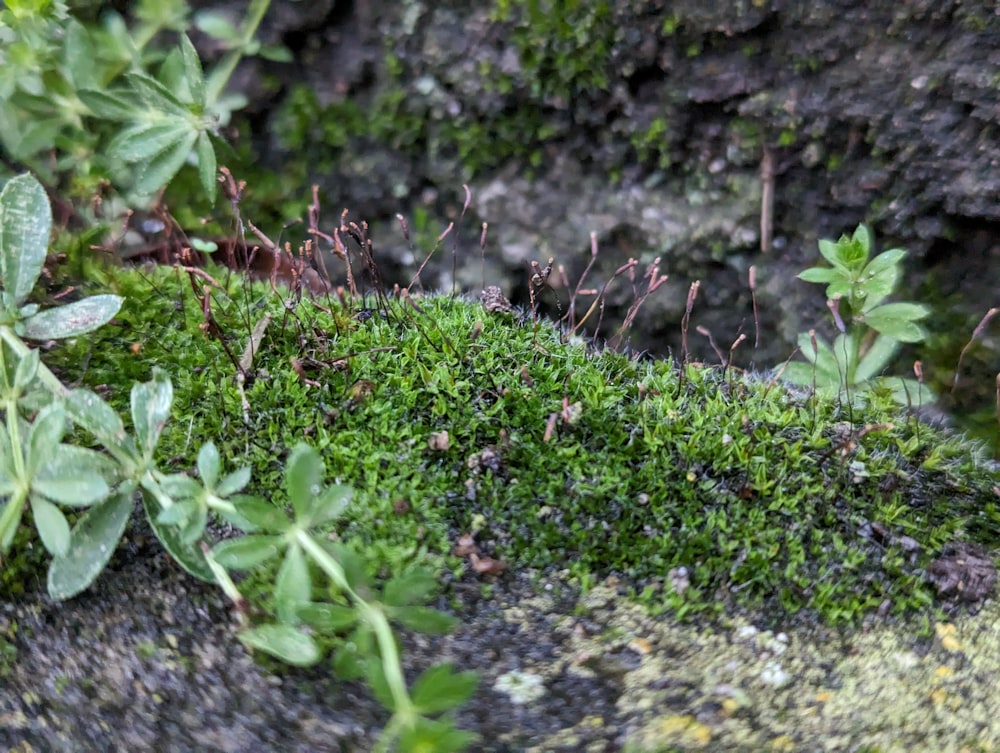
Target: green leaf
x=285, y=642
x=193, y=528
x=51, y=524
x=821, y=275
x=884, y=262
x=73, y=319
x=206, y=164
x=27, y=369
x=177, y=513
x=79, y=55
x=293, y=586
x=247, y=552
x=150, y=409
x=233, y=482
x=192, y=71
x=328, y=618
x=180, y=486
x=144, y=141
x=438, y=735
x=303, y=480
x=161, y=169
x=88, y=410
x=329, y=505
x=209, y=464
x=862, y=239
x=898, y=320
x=44, y=435
x=25, y=224
x=440, y=688
x=262, y=514
x=830, y=251
x=877, y=358
x=908, y=392
x=108, y=105
x=188, y=554
x=217, y=25
x=74, y=476
x=422, y=619
x=413, y=587
x=92, y=542
x=276, y=53
x=353, y=654
x=154, y=95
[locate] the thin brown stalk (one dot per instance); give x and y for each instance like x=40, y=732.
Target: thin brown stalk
x=975, y=333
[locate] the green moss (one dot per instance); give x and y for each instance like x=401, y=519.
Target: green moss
x=652, y=145
x=564, y=460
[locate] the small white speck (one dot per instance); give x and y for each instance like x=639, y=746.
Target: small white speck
x=773, y=674
x=522, y=687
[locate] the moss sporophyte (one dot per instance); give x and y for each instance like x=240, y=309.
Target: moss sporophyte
x=764, y=497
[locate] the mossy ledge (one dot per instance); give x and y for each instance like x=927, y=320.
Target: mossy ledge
x=705, y=490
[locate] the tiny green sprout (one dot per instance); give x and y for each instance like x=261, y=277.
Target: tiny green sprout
x=871, y=330
x=205, y=247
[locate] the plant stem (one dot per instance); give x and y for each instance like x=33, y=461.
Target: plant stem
x=21, y=350
x=375, y=617
x=223, y=72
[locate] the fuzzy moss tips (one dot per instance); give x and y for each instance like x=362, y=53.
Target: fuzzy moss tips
x=702, y=489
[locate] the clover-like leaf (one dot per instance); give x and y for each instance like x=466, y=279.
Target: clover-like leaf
x=25, y=224
x=92, y=542
x=73, y=319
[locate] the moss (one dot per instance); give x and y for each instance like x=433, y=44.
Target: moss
x=704, y=489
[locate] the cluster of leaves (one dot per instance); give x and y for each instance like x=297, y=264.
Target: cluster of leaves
x=871, y=330
x=96, y=101
x=38, y=469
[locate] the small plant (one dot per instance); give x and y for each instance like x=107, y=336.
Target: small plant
x=41, y=472
x=67, y=83
x=871, y=330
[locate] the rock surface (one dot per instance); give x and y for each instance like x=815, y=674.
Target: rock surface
x=149, y=657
